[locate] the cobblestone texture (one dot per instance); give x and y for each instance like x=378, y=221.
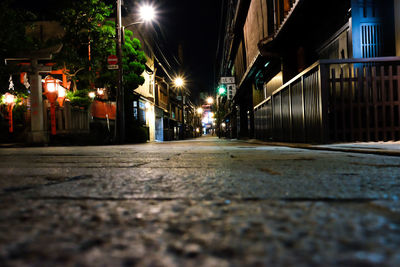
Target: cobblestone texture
x=204, y=202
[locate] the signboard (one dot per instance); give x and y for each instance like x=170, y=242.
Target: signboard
x=227, y=80
x=112, y=67
x=112, y=60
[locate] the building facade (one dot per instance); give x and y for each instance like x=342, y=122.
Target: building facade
x=312, y=71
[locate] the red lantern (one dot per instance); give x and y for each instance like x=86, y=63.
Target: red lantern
x=9, y=99
x=51, y=92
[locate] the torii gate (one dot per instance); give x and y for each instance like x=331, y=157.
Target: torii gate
x=35, y=68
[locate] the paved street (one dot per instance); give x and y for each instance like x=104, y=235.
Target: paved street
x=200, y=202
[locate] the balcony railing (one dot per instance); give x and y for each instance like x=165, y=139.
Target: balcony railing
x=335, y=100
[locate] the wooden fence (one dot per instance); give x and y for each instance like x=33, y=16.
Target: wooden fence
x=335, y=100
x=69, y=120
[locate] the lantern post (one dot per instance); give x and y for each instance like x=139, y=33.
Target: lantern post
x=9, y=99
x=51, y=87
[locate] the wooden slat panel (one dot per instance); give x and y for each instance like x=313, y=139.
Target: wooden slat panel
x=374, y=102
x=391, y=100
x=384, y=101
x=350, y=102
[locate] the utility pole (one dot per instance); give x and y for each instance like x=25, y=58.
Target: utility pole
x=183, y=116
x=120, y=118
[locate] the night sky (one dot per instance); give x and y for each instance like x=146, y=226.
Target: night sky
x=194, y=25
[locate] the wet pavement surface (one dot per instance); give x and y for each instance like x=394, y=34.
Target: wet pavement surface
x=201, y=202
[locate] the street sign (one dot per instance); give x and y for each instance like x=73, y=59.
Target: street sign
x=227, y=80
x=112, y=60
x=112, y=67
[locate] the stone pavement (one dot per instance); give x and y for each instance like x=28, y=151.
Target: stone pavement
x=390, y=148
x=201, y=202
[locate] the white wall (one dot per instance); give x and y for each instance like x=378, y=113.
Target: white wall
x=151, y=123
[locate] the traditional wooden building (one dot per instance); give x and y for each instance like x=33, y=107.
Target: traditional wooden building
x=313, y=71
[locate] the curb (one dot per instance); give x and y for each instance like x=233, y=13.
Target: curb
x=374, y=151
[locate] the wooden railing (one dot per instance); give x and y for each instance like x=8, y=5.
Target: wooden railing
x=335, y=100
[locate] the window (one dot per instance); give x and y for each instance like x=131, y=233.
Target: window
x=135, y=110
x=142, y=112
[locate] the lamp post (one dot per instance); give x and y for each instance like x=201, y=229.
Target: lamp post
x=9, y=99
x=179, y=83
x=120, y=114
x=146, y=14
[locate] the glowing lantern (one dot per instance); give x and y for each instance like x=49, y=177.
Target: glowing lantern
x=51, y=86
x=9, y=99
x=100, y=91
x=92, y=95
x=61, y=95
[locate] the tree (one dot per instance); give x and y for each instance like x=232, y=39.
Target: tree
x=133, y=59
x=12, y=40
x=89, y=39
x=82, y=22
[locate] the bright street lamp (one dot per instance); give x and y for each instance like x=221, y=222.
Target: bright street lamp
x=210, y=100
x=147, y=13
x=179, y=82
x=200, y=111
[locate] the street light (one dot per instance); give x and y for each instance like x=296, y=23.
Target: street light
x=210, y=100
x=200, y=111
x=146, y=14
x=179, y=83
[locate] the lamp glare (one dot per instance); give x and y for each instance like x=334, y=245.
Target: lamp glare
x=147, y=13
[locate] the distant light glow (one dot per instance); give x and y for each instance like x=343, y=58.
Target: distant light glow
x=210, y=100
x=221, y=90
x=100, y=91
x=92, y=95
x=223, y=124
x=178, y=82
x=200, y=110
